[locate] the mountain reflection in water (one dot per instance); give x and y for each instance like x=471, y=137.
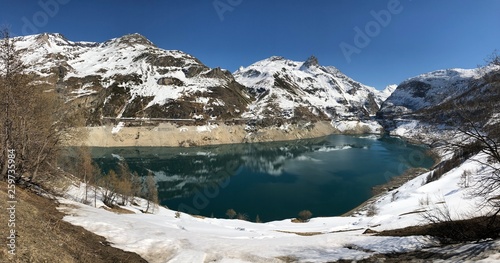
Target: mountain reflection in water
x=328, y=176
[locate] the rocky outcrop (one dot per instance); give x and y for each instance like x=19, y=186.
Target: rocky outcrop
x=170, y=81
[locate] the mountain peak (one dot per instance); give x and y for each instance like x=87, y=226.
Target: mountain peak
x=134, y=36
x=311, y=61
x=47, y=38
x=48, y=35
x=134, y=39
x=276, y=58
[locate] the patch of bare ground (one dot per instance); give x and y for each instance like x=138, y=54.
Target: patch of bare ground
x=320, y=233
x=471, y=252
x=450, y=232
x=119, y=210
x=42, y=235
x=462, y=240
x=305, y=234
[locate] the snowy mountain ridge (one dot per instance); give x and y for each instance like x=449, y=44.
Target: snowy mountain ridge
x=429, y=105
x=291, y=88
x=130, y=77
x=433, y=88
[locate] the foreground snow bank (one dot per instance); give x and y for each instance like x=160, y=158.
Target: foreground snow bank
x=169, y=237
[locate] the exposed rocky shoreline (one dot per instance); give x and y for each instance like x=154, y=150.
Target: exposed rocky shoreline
x=396, y=181
x=172, y=135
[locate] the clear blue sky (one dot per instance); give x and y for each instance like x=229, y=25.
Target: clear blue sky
x=419, y=37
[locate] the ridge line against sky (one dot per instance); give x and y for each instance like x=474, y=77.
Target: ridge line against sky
x=375, y=42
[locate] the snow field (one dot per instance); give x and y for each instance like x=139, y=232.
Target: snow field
x=162, y=237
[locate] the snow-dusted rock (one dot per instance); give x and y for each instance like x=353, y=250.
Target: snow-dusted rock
x=287, y=89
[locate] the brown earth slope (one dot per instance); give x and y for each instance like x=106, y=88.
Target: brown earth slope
x=42, y=235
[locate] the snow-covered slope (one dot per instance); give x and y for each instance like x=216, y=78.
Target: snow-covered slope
x=387, y=92
x=287, y=89
x=432, y=89
x=442, y=100
x=167, y=236
x=130, y=77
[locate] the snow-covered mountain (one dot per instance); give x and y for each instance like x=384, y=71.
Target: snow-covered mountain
x=435, y=88
x=443, y=98
x=288, y=90
x=430, y=89
x=387, y=92
x=130, y=77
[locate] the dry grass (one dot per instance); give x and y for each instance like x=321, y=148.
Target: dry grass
x=288, y=259
x=119, y=210
x=305, y=234
x=42, y=235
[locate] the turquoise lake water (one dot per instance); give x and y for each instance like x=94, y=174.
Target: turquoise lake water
x=328, y=176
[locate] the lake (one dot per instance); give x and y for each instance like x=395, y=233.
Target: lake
x=328, y=176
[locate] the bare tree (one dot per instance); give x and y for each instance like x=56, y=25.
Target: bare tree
x=487, y=185
x=150, y=192
x=86, y=169
x=494, y=58
x=11, y=68
x=109, y=184
x=129, y=184
x=36, y=119
x=478, y=131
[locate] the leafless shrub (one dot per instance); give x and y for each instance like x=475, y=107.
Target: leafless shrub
x=372, y=210
x=424, y=201
x=109, y=184
x=231, y=213
x=242, y=216
x=304, y=215
x=150, y=193
x=465, y=178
